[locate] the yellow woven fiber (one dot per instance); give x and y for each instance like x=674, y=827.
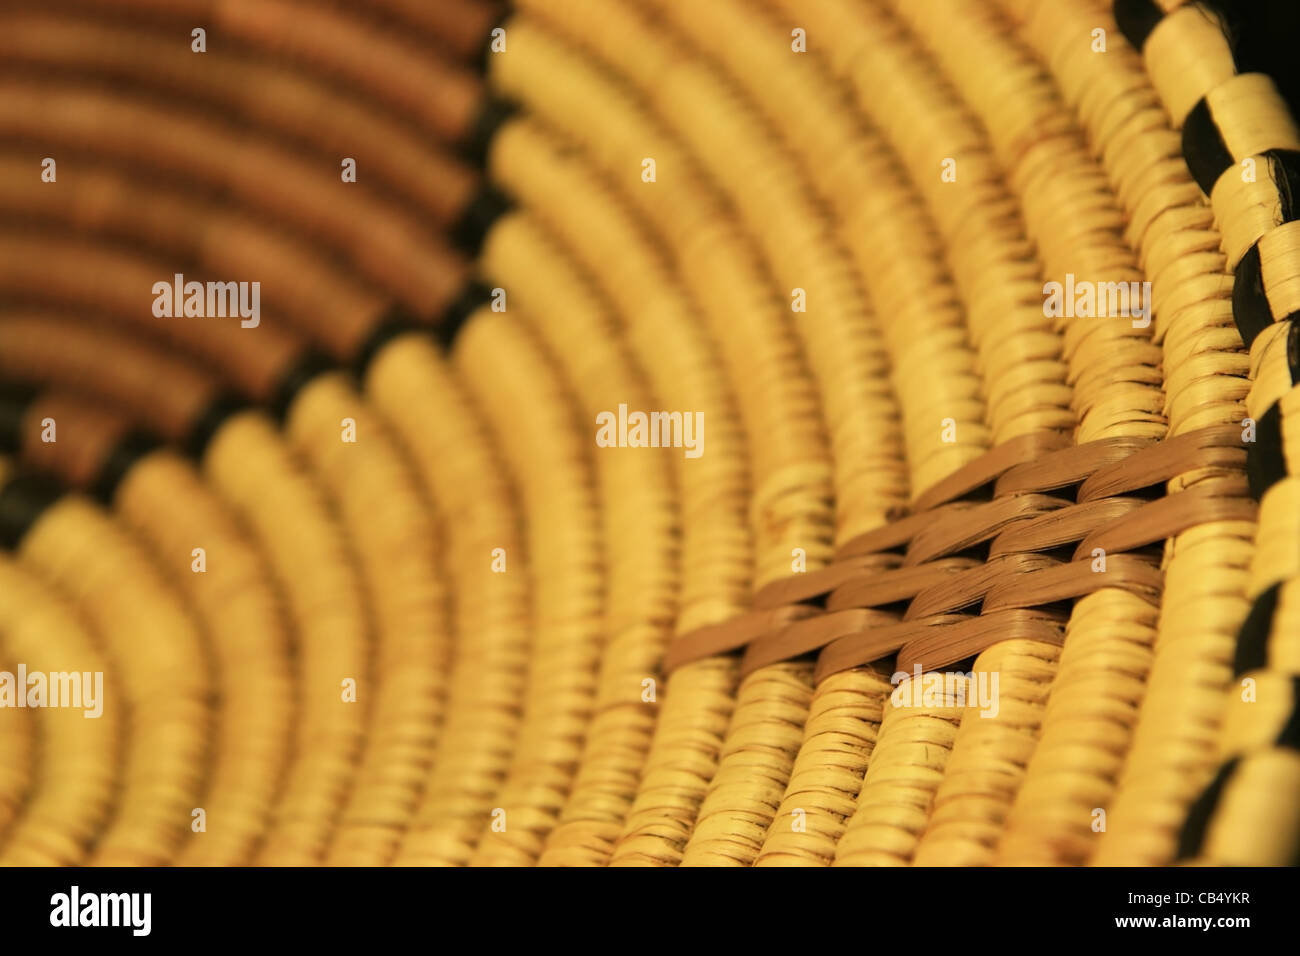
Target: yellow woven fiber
x=989, y=754
x=158, y=663
x=1279, y=251
x=1191, y=283
x=17, y=738
x=688, y=736
x=1246, y=209
x=1276, y=556
x=1252, y=826
x=915, y=740
x=345, y=627
x=920, y=330
x=914, y=331
x=684, y=372
x=1287, y=623
x=1173, y=746
x=167, y=504
x=1071, y=214
x=390, y=530
x=1284, y=647
x=717, y=267
x=448, y=444
x=638, y=501
x=757, y=753
x=251, y=467
x=17, y=752
x=1271, y=376
x=1232, y=203
x=414, y=688
x=677, y=358
x=954, y=295
x=533, y=421
x=839, y=738
x=1018, y=351
x=723, y=124
x=1259, y=703
x=1069, y=211
x=1169, y=222
x=77, y=762
x=1087, y=727
x=789, y=507
x=1186, y=57
x=1247, y=829
x=845, y=356
x=1251, y=115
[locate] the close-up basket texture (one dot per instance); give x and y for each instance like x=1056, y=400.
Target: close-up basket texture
x=647, y=433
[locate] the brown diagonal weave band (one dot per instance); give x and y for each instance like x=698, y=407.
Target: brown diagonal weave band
x=990, y=553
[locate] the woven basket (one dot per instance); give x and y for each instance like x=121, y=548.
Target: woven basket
x=742, y=432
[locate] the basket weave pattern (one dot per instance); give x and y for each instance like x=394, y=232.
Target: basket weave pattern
x=957, y=578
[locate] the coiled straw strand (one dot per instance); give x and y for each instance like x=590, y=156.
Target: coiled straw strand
x=76, y=770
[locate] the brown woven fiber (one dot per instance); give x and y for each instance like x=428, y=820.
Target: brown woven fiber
x=649, y=433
